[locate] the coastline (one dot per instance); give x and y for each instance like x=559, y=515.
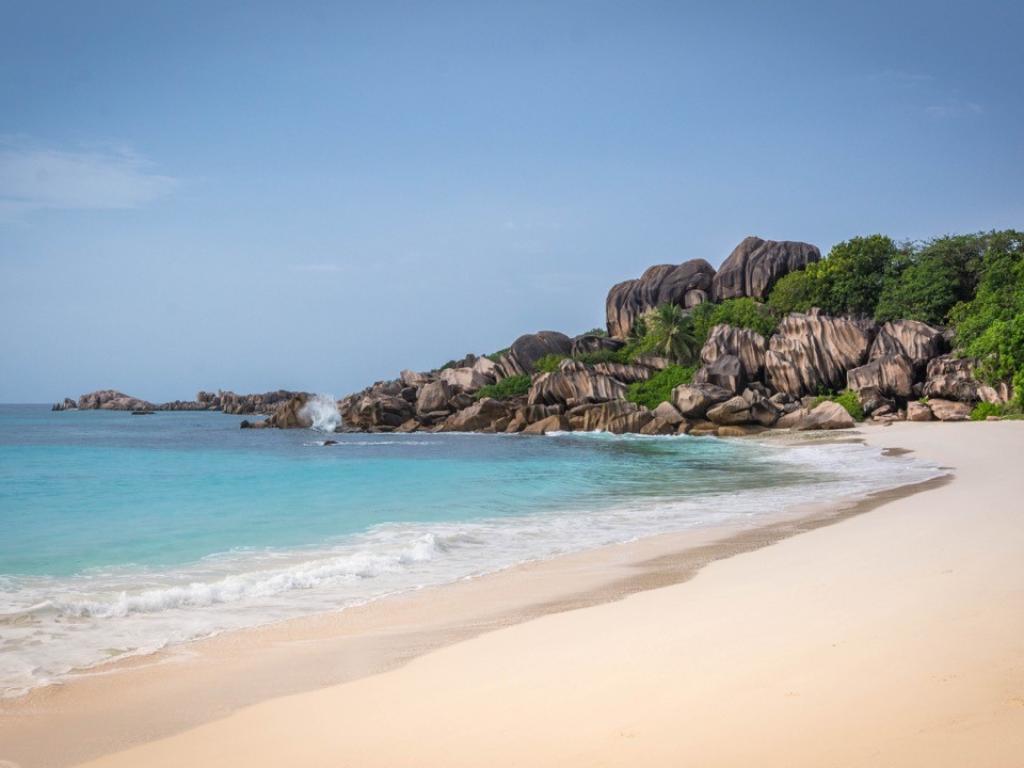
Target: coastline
x=172, y=691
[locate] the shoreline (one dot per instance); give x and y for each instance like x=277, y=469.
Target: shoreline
x=301, y=655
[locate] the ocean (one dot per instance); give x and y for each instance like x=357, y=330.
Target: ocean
x=123, y=534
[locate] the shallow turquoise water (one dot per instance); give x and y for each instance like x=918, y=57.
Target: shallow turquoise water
x=121, y=533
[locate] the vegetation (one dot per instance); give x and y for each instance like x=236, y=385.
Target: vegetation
x=1003, y=410
x=658, y=388
x=495, y=357
x=548, y=363
x=603, y=356
x=595, y=332
x=672, y=335
x=739, y=313
x=511, y=386
x=848, y=399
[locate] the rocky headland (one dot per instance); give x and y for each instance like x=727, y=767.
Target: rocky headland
x=813, y=370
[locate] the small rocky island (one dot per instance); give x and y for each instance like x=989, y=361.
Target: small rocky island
x=686, y=349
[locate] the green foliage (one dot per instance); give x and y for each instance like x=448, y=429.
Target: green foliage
x=671, y=334
x=595, y=332
x=795, y=292
x=603, y=356
x=990, y=326
x=449, y=364
x=1003, y=410
x=848, y=399
x=739, y=313
x=495, y=357
x=658, y=388
x=548, y=363
x=511, y=386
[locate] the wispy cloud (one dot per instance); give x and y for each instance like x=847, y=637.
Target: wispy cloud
x=34, y=177
x=953, y=107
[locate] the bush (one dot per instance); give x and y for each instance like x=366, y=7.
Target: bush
x=1004, y=411
x=795, y=292
x=511, y=386
x=740, y=313
x=595, y=332
x=848, y=399
x=602, y=356
x=495, y=357
x=548, y=363
x=658, y=388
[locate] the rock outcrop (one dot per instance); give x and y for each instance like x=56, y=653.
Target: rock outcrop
x=65, y=405
x=952, y=378
x=480, y=416
x=811, y=353
x=589, y=344
x=755, y=265
x=948, y=410
x=890, y=375
x=693, y=400
x=827, y=415
x=112, y=400
x=726, y=372
x=746, y=345
x=687, y=285
x=917, y=341
x=575, y=384
x=531, y=347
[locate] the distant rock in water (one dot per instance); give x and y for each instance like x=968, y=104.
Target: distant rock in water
x=66, y=405
x=687, y=285
x=112, y=400
x=755, y=265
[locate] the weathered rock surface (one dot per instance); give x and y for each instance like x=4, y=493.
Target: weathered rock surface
x=827, y=415
x=627, y=374
x=735, y=410
x=948, y=410
x=891, y=375
x=479, y=416
x=588, y=344
x=531, y=347
x=755, y=265
x=686, y=285
x=556, y=423
x=811, y=353
x=112, y=400
x=414, y=378
x=291, y=414
x=917, y=411
x=66, y=405
x=693, y=400
x=433, y=396
x=746, y=345
x=613, y=416
x=952, y=378
x=668, y=413
x=575, y=384
x=725, y=372
x=917, y=341
x=466, y=379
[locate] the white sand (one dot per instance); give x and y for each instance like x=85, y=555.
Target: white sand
x=893, y=638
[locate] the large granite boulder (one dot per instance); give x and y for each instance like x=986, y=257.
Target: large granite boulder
x=827, y=415
x=627, y=374
x=746, y=345
x=755, y=265
x=949, y=410
x=890, y=375
x=481, y=415
x=266, y=402
x=433, y=396
x=291, y=414
x=812, y=352
x=531, y=347
x=735, y=410
x=918, y=411
x=693, y=400
x=617, y=416
x=554, y=423
x=952, y=378
x=686, y=285
x=917, y=341
x=112, y=400
x=414, y=378
x=726, y=372
x=575, y=384
x=466, y=379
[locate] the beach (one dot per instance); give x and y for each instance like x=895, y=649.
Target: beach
x=886, y=634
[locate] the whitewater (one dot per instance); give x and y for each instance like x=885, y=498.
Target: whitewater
x=124, y=535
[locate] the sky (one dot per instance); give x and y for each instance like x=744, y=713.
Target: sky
x=314, y=196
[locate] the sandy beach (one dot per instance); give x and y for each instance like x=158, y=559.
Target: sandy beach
x=887, y=634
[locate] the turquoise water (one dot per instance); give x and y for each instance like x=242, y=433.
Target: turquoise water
x=120, y=534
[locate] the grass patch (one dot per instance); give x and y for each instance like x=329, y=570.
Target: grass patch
x=658, y=388
x=548, y=363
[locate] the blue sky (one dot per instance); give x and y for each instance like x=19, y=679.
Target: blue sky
x=315, y=195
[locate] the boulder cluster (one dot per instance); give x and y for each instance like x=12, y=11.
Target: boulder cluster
x=745, y=383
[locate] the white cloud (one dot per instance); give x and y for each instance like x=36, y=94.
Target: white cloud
x=34, y=178
x=953, y=106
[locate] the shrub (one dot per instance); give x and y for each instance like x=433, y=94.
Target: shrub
x=848, y=399
x=983, y=410
x=740, y=313
x=511, y=386
x=495, y=357
x=595, y=332
x=548, y=363
x=658, y=388
x=602, y=356
x=795, y=292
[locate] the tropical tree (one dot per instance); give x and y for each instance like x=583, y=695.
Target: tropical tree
x=672, y=334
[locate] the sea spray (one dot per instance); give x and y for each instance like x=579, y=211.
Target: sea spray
x=322, y=410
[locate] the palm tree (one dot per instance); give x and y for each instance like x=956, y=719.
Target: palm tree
x=673, y=334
